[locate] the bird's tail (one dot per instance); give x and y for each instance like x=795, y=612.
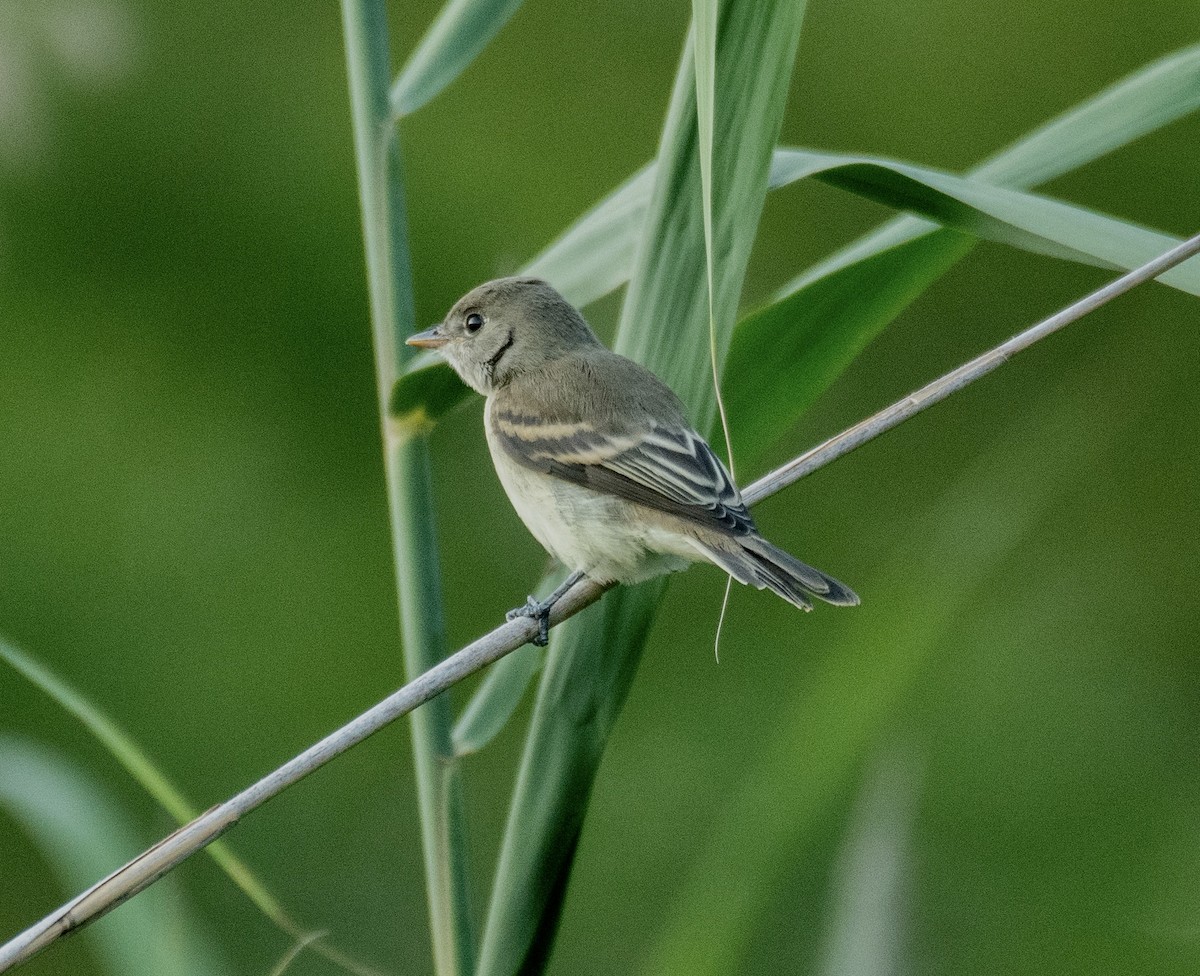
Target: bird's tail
x=751, y=559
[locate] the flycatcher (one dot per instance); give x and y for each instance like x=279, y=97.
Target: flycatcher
x=596, y=453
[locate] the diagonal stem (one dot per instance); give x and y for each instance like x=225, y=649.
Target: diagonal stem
x=144, y=870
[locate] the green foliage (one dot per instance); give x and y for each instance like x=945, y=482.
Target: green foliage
x=84, y=834
x=595, y=255
x=410, y=490
x=789, y=793
x=1046, y=840
x=142, y=768
x=461, y=31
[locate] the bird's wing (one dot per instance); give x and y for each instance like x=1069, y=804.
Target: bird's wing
x=667, y=467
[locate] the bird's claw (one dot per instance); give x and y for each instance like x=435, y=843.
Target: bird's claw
x=539, y=612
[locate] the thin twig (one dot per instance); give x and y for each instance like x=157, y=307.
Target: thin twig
x=145, y=869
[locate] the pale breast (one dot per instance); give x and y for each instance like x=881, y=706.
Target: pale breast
x=602, y=535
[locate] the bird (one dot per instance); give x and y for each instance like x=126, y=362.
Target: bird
x=597, y=455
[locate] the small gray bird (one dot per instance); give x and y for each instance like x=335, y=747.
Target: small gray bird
x=597, y=456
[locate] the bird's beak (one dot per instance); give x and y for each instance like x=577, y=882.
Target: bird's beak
x=429, y=339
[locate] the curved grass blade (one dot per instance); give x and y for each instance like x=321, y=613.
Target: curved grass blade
x=1148, y=99
x=1038, y=224
x=460, y=32
x=83, y=834
x=146, y=774
x=1141, y=103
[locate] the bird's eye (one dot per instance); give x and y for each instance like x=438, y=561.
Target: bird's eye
x=473, y=322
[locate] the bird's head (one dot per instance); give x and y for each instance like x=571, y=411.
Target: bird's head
x=504, y=328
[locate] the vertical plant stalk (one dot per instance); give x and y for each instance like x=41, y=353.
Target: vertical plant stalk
x=410, y=497
x=664, y=324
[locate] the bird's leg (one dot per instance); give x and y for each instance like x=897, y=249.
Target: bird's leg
x=540, y=610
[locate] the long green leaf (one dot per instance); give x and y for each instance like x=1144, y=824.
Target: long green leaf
x=705, y=15
x=460, y=32
x=1023, y=220
x=826, y=731
x=1146, y=100
x=664, y=325
x=83, y=835
x=815, y=333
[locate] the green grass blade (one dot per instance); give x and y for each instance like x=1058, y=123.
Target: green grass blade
x=868, y=929
x=1143, y=102
x=704, y=52
x=121, y=746
x=498, y=696
x=828, y=728
x=664, y=324
x=1146, y=100
x=460, y=32
x=817, y=332
x=704, y=61
x=118, y=743
x=83, y=834
x=596, y=254
x=1027, y=221
x=139, y=765
x=410, y=492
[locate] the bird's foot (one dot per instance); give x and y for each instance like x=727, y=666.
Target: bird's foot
x=539, y=611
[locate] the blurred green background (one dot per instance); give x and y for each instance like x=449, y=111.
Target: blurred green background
x=991, y=766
